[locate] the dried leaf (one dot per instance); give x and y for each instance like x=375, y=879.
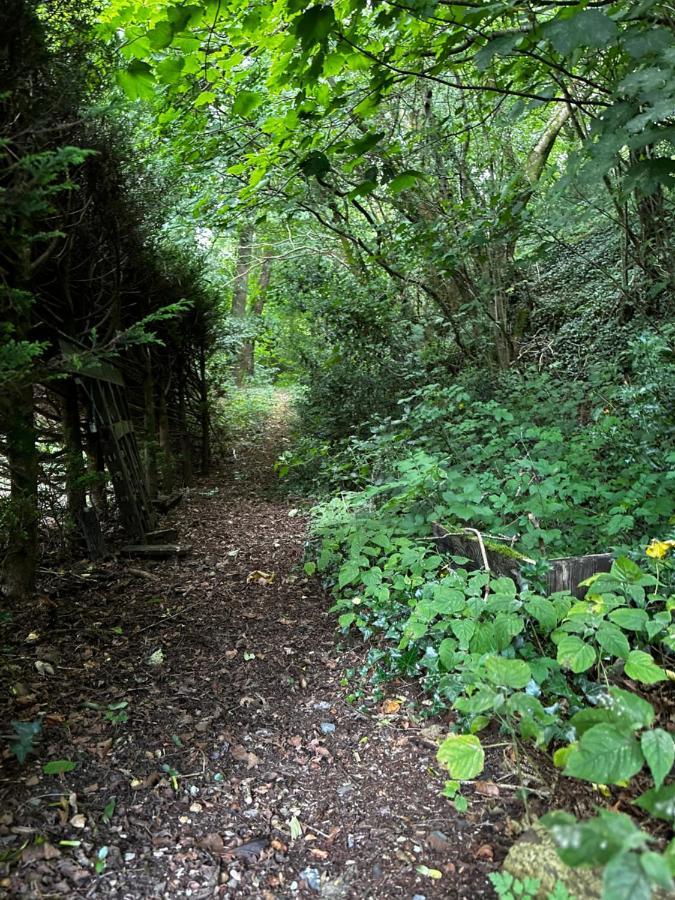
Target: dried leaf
x=258, y=577
x=486, y=788
x=390, y=707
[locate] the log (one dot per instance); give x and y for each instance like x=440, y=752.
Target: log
x=154, y=551
x=502, y=559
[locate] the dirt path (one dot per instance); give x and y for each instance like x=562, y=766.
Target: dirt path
x=241, y=771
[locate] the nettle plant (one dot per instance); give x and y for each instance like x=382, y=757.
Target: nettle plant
x=543, y=667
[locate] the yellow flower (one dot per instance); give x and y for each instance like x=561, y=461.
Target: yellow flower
x=659, y=549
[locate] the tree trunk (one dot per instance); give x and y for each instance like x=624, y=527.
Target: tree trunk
x=75, y=467
x=247, y=355
x=22, y=457
x=185, y=448
x=204, y=413
x=150, y=443
x=240, y=294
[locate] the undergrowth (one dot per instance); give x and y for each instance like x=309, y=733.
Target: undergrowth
x=548, y=468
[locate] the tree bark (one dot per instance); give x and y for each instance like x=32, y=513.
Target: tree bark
x=20, y=561
x=240, y=293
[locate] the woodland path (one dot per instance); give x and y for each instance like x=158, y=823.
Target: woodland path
x=247, y=712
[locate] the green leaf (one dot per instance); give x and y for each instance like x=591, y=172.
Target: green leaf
x=245, y=102
x=314, y=25
x=544, y=612
x=605, y=755
x=348, y=574
x=575, y=654
x=641, y=667
x=612, y=639
x=513, y=673
x=161, y=35
x=656, y=869
x=588, y=28
x=659, y=802
x=59, y=766
x=463, y=755
x=346, y=620
x=404, y=181
x=629, y=619
x=659, y=751
x=624, y=879
x=25, y=734
x=316, y=164
x=137, y=80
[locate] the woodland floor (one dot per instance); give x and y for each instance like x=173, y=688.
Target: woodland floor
x=282, y=788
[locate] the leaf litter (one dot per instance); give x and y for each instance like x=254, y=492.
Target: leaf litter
x=224, y=781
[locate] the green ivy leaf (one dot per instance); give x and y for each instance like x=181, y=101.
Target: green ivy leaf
x=463, y=755
x=605, y=755
x=404, y=181
x=659, y=751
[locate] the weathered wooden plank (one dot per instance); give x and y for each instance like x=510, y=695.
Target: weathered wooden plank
x=567, y=572
x=121, y=429
x=154, y=551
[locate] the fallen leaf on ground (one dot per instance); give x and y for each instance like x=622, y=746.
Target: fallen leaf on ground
x=390, y=707
x=484, y=852
x=486, y=788
x=258, y=577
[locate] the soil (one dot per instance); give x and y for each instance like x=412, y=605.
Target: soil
x=241, y=770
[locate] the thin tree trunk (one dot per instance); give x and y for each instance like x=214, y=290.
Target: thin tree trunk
x=240, y=293
x=75, y=466
x=22, y=457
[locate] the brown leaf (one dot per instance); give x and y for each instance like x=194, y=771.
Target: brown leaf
x=486, y=788
x=318, y=853
x=390, y=707
x=212, y=842
x=484, y=852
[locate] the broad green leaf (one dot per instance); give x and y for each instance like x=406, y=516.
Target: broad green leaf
x=605, y=755
x=463, y=755
x=628, y=618
x=642, y=668
x=314, y=25
x=659, y=802
x=404, y=181
x=348, y=574
x=513, y=673
x=612, y=639
x=544, y=612
x=575, y=654
x=245, y=102
x=656, y=869
x=624, y=879
x=659, y=751
x=161, y=35
x=137, y=80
